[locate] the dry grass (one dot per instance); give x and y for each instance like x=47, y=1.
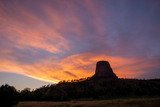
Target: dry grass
x=142, y=102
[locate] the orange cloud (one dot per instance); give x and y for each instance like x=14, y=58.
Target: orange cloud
x=74, y=36
x=76, y=66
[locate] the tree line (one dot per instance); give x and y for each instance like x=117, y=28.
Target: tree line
x=82, y=89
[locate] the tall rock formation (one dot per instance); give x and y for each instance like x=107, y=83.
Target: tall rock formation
x=104, y=70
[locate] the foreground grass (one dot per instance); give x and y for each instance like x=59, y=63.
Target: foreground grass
x=141, y=102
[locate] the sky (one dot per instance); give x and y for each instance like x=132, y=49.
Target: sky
x=47, y=41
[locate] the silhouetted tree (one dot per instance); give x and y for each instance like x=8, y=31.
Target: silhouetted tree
x=89, y=88
x=26, y=94
x=8, y=96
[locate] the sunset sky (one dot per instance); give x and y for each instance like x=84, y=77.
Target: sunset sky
x=46, y=41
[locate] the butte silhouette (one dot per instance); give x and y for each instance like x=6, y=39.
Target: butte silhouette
x=104, y=70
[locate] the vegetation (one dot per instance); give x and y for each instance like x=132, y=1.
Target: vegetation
x=8, y=96
x=94, y=89
x=83, y=89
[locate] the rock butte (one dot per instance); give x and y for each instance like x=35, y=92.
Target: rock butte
x=104, y=70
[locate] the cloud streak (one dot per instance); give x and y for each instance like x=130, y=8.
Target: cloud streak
x=63, y=40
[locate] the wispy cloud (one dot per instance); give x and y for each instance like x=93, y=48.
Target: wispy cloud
x=57, y=40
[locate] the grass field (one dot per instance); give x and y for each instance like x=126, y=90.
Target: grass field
x=140, y=102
